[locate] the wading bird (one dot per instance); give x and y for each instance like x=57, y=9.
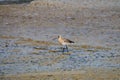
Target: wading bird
x=64, y=42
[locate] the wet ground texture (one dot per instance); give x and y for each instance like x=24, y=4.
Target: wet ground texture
x=28, y=44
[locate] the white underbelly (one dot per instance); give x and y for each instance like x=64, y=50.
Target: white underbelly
x=64, y=43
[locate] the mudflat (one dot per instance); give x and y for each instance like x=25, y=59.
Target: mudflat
x=29, y=50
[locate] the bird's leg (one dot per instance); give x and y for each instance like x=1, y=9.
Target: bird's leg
x=63, y=49
x=66, y=48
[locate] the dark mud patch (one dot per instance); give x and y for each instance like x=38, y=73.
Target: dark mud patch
x=6, y=2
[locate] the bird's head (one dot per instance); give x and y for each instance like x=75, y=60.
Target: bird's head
x=59, y=36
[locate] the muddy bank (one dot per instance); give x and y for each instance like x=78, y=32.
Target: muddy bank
x=91, y=26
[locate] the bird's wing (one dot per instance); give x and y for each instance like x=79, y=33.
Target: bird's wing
x=67, y=40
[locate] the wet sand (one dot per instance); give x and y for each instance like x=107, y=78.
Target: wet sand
x=28, y=50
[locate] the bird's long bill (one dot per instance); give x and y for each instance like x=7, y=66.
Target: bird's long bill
x=54, y=38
